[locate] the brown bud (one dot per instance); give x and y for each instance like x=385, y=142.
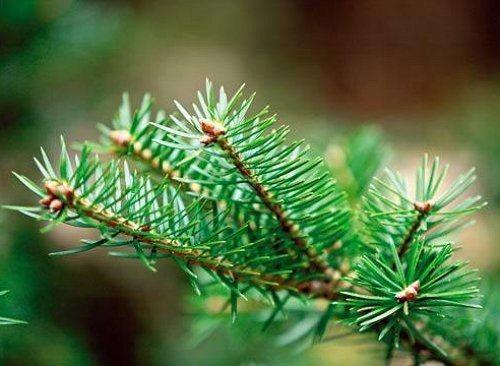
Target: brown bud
x=423, y=207
x=137, y=147
x=409, y=293
x=165, y=166
x=120, y=137
x=416, y=285
x=401, y=296
x=65, y=191
x=51, y=187
x=333, y=274
x=56, y=189
x=207, y=139
x=45, y=201
x=195, y=187
x=56, y=205
x=212, y=131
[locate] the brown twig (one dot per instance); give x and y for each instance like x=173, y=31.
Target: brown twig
x=288, y=226
x=423, y=209
x=61, y=192
x=123, y=144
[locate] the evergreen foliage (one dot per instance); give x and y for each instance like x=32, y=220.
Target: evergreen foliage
x=219, y=190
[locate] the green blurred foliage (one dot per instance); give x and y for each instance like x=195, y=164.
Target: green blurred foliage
x=25, y=267
x=478, y=116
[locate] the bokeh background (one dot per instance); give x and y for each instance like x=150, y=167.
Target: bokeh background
x=426, y=73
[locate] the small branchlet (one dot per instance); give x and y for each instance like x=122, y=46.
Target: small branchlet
x=123, y=139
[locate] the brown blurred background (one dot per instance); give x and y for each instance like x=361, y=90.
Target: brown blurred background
x=426, y=72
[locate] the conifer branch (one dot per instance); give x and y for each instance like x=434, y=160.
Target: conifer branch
x=233, y=198
x=135, y=138
x=132, y=136
x=195, y=257
x=390, y=212
x=133, y=210
x=405, y=263
x=287, y=225
x=125, y=145
x=297, y=194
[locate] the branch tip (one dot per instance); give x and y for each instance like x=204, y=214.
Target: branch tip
x=409, y=293
x=212, y=131
x=423, y=207
x=121, y=138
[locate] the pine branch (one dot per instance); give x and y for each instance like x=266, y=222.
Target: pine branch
x=261, y=216
x=173, y=247
x=407, y=278
x=287, y=225
x=391, y=212
x=416, y=293
x=134, y=137
x=131, y=136
x=119, y=203
x=296, y=192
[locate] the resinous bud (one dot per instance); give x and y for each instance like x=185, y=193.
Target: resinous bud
x=56, y=205
x=120, y=137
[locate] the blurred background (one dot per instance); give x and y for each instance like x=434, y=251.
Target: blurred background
x=426, y=73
